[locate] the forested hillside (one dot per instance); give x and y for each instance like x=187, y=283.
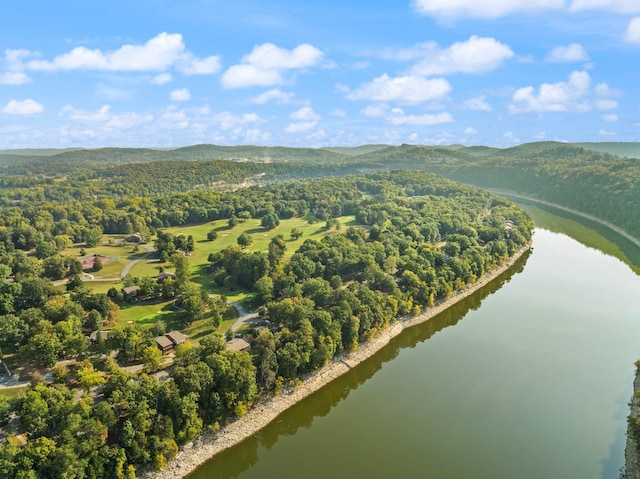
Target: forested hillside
x=419, y=238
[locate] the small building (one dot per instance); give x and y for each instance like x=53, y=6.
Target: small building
x=164, y=344
x=176, y=337
x=238, y=344
x=183, y=252
x=167, y=342
x=131, y=291
x=162, y=277
x=135, y=238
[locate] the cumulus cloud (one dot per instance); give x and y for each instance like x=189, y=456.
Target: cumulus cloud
x=14, y=78
x=618, y=6
x=162, y=79
x=268, y=65
x=181, y=94
x=275, y=94
x=101, y=114
x=408, y=89
x=610, y=118
x=24, y=107
x=306, y=119
x=475, y=55
x=603, y=132
x=632, y=34
x=398, y=118
x=483, y=9
x=488, y=9
x=339, y=113
x=561, y=96
x=567, y=54
x=478, y=103
x=158, y=54
x=470, y=131
x=305, y=113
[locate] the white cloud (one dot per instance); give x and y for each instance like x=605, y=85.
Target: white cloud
x=158, y=54
x=127, y=120
x=102, y=114
x=618, y=6
x=305, y=114
x=405, y=89
x=275, y=94
x=339, y=113
x=205, y=66
x=399, y=118
x=227, y=120
x=267, y=65
x=610, y=118
x=632, y=35
x=605, y=104
x=301, y=126
x=478, y=103
x=162, y=79
x=14, y=78
x=470, y=131
x=25, y=107
x=375, y=111
x=475, y=55
x=606, y=132
x=561, y=96
x=483, y=9
x=486, y=9
x=181, y=94
x=307, y=119
x=567, y=54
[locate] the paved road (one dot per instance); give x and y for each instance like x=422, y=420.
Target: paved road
x=245, y=317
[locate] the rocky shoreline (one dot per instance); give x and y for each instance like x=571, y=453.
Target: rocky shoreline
x=631, y=455
x=207, y=444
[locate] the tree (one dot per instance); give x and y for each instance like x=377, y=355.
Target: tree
x=270, y=221
x=244, y=240
x=277, y=249
x=97, y=264
x=296, y=233
x=212, y=235
x=74, y=283
x=151, y=358
x=88, y=376
x=182, y=272
x=233, y=221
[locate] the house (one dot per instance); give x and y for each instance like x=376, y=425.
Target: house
x=167, y=342
x=176, y=337
x=164, y=344
x=135, y=238
x=164, y=276
x=183, y=252
x=238, y=344
x=131, y=291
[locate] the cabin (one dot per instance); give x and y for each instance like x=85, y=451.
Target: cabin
x=167, y=342
x=162, y=277
x=130, y=291
x=164, y=344
x=238, y=344
x=135, y=238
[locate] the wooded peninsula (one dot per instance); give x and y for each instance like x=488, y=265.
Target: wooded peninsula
x=125, y=275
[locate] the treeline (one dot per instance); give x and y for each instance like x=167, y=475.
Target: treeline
x=420, y=238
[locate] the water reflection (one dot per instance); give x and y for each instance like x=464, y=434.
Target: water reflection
x=232, y=462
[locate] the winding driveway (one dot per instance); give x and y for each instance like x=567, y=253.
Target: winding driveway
x=245, y=317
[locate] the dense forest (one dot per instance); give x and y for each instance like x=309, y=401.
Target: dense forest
x=600, y=180
x=419, y=238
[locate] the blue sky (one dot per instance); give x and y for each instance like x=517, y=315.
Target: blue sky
x=165, y=73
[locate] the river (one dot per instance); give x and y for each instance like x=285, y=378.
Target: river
x=528, y=378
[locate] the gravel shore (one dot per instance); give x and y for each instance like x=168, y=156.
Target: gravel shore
x=207, y=445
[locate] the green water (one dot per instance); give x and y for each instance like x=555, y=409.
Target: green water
x=528, y=378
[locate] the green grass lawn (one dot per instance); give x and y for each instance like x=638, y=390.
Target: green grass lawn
x=12, y=393
x=147, y=314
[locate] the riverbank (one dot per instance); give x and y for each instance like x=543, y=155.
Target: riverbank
x=631, y=456
x=208, y=445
